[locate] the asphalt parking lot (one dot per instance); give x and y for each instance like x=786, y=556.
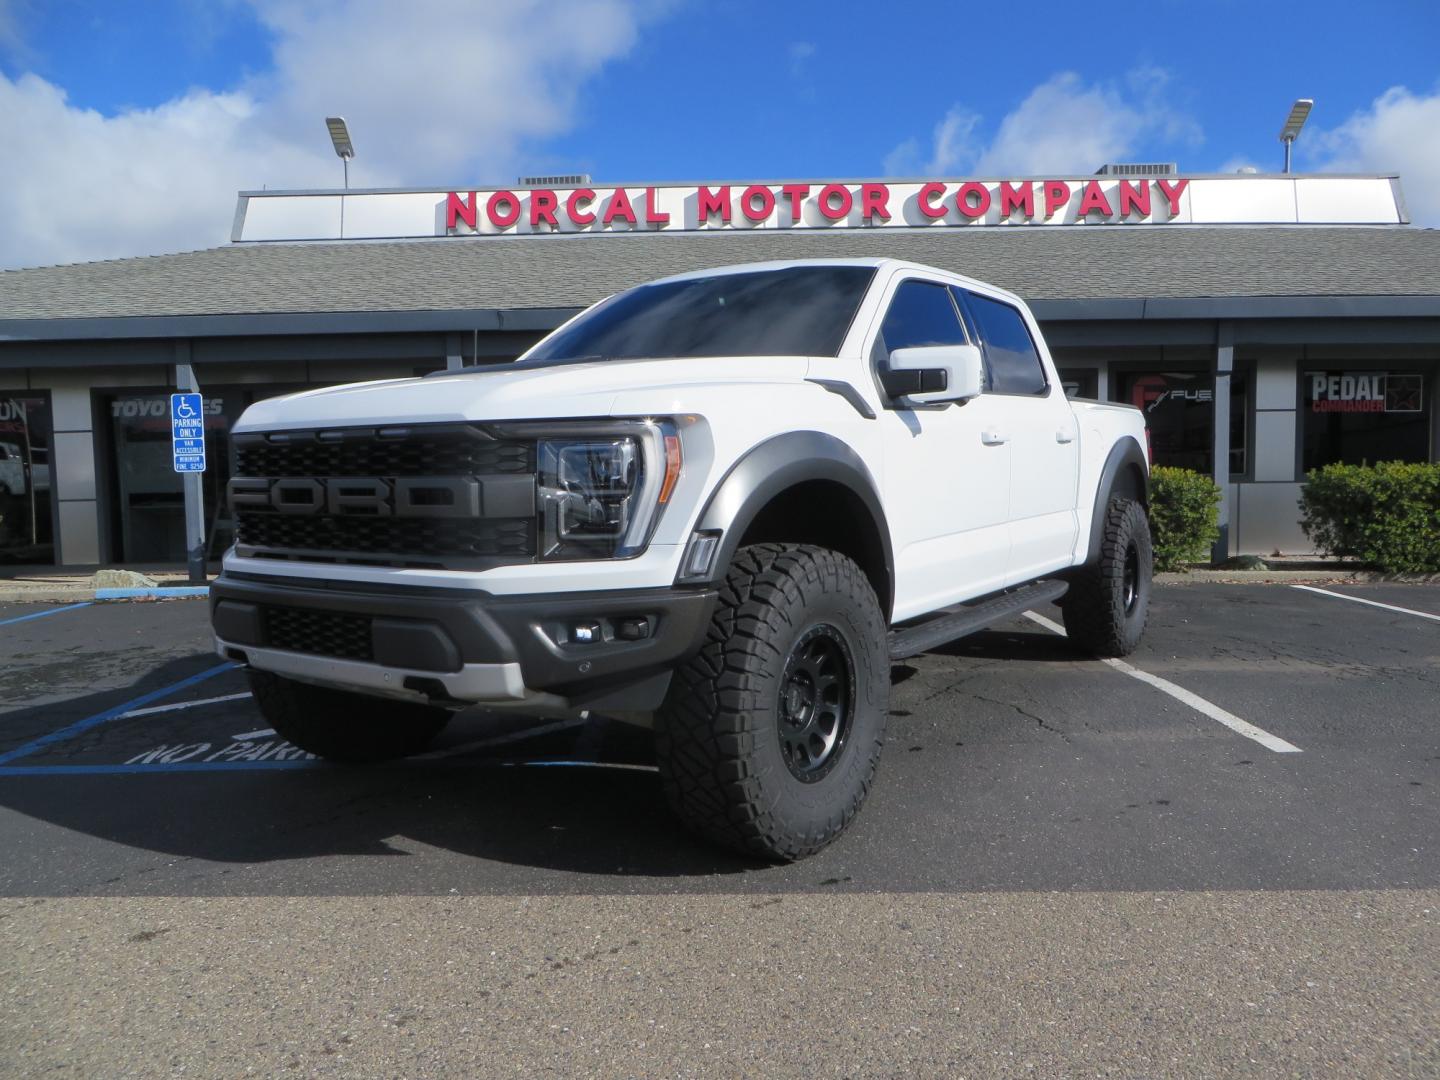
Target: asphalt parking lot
x=1265, y=778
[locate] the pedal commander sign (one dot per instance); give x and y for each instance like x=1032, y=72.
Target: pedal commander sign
x=1365, y=392
x=817, y=204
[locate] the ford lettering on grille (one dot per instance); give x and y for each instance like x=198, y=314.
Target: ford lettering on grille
x=373, y=496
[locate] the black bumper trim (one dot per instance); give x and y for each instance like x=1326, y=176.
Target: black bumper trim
x=440, y=629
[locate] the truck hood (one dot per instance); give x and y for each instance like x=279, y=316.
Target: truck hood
x=513, y=392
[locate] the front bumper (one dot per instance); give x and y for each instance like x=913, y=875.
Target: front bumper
x=462, y=646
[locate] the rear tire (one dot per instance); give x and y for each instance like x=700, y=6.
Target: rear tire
x=342, y=726
x=1109, y=600
x=768, y=740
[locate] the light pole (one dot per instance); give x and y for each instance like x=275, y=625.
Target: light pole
x=344, y=150
x=1293, y=123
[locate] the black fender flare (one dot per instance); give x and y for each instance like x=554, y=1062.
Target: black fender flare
x=1117, y=477
x=776, y=465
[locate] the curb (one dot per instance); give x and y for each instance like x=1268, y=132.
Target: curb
x=156, y=591
x=80, y=596
x=1291, y=577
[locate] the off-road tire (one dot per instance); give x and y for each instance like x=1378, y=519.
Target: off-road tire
x=1107, y=604
x=341, y=726
x=719, y=734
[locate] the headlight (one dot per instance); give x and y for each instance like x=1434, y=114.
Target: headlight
x=602, y=486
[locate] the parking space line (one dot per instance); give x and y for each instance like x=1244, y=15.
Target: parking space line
x=567, y=763
x=1179, y=693
x=500, y=740
x=42, y=614
x=154, y=767
x=110, y=714
x=135, y=768
x=182, y=705
x=1372, y=603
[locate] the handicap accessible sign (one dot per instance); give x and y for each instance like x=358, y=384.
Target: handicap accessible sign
x=187, y=432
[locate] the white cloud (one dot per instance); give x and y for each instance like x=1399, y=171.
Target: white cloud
x=801, y=53
x=1400, y=132
x=435, y=91
x=1063, y=126
x=951, y=147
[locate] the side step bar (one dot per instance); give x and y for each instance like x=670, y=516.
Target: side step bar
x=967, y=620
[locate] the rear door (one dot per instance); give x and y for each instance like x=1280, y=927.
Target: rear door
x=1036, y=419
x=947, y=479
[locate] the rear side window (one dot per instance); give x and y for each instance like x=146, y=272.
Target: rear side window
x=1011, y=360
x=921, y=313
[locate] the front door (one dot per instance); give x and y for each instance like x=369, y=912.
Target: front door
x=947, y=469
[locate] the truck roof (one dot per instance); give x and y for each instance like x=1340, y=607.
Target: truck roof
x=877, y=263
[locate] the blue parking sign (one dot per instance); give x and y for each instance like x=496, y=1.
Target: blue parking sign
x=187, y=432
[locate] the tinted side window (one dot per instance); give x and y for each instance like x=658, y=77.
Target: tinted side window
x=1012, y=363
x=921, y=314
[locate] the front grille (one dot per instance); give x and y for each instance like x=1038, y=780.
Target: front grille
x=388, y=539
x=413, y=540
x=450, y=450
x=324, y=633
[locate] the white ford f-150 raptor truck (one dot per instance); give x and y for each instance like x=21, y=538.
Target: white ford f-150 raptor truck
x=719, y=504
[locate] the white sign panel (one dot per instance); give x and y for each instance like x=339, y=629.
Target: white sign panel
x=821, y=205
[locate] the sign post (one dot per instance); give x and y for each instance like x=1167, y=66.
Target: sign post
x=187, y=441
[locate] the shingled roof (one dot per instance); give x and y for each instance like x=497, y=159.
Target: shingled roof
x=508, y=273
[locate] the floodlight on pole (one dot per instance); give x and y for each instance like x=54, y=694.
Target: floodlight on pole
x=340, y=139
x=1299, y=112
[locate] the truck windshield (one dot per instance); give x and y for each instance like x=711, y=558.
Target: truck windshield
x=791, y=311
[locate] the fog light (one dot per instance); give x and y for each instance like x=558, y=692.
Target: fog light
x=585, y=633
x=637, y=629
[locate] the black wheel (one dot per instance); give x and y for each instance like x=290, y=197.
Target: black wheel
x=342, y=726
x=1109, y=599
x=769, y=738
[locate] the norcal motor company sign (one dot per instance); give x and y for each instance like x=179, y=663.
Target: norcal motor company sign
x=818, y=204
x=811, y=205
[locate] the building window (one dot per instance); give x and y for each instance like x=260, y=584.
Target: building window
x=146, y=495
x=1358, y=417
x=1081, y=382
x=25, y=483
x=1179, y=408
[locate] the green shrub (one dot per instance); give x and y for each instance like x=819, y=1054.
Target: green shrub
x=1184, y=516
x=1387, y=515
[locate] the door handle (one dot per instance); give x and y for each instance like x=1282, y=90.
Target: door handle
x=1064, y=436
x=994, y=438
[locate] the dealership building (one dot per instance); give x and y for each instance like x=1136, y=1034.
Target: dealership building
x=1266, y=324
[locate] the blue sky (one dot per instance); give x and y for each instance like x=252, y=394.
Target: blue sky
x=168, y=107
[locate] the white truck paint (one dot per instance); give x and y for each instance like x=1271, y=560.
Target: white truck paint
x=946, y=503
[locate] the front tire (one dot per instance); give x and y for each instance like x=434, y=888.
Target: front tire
x=1109, y=600
x=342, y=726
x=769, y=738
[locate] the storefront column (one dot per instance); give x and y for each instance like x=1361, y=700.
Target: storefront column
x=1224, y=366
x=73, y=451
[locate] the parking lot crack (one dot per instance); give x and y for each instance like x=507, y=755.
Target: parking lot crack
x=1040, y=721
